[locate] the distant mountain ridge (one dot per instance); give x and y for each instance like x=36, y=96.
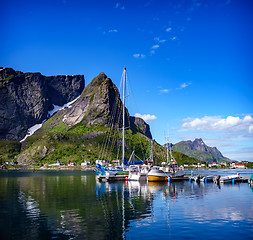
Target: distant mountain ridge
x=198, y=149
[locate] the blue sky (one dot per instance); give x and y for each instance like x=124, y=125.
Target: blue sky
x=189, y=62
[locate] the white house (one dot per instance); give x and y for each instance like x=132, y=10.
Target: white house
x=85, y=163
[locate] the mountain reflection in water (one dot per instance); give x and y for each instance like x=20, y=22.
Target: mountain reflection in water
x=74, y=205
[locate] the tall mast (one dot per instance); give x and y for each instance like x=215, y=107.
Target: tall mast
x=167, y=139
x=123, y=124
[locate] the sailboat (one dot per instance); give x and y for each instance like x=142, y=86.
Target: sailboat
x=156, y=174
x=137, y=171
x=120, y=174
x=174, y=173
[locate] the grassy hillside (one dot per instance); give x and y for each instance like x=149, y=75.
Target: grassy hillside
x=83, y=142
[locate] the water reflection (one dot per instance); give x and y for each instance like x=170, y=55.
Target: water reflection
x=77, y=206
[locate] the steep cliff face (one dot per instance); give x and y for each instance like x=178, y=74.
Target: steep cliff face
x=139, y=125
x=26, y=98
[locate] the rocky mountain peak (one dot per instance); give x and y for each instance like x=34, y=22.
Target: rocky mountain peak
x=100, y=104
x=199, y=150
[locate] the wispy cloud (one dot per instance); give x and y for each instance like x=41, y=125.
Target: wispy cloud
x=113, y=31
x=164, y=90
x=119, y=6
x=173, y=38
x=139, y=55
x=146, y=117
x=155, y=46
x=184, y=85
x=168, y=29
x=159, y=40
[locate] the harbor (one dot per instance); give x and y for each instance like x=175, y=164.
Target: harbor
x=75, y=205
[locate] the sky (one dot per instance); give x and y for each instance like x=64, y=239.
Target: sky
x=189, y=62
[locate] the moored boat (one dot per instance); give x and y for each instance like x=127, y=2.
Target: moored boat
x=157, y=175
x=227, y=179
x=138, y=173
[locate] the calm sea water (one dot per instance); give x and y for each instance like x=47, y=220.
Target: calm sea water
x=73, y=205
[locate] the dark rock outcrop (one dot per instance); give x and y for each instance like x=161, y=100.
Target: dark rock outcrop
x=26, y=98
x=139, y=125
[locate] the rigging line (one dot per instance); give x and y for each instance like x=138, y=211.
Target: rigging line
x=162, y=152
x=115, y=118
x=105, y=141
x=114, y=130
x=114, y=122
x=111, y=123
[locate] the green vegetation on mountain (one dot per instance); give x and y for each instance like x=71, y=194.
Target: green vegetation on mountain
x=91, y=129
x=81, y=143
x=8, y=150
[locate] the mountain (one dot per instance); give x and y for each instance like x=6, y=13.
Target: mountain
x=198, y=149
x=26, y=98
x=89, y=129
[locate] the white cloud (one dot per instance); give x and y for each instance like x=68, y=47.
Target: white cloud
x=184, y=85
x=217, y=123
x=173, y=38
x=168, y=29
x=155, y=46
x=159, y=40
x=164, y=90
x=119, y=6
x=146, y=117
x=113, y=31
x=139, y=55
x=152, y=52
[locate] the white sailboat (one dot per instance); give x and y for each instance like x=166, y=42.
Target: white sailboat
x=121, y=175
x=173, y=172
x=156, y=174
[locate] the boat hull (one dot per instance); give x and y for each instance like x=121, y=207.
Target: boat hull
x=153, y=178
x=112, y=178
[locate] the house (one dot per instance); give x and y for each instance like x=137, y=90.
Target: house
x=85, y=163
x=238, y=165
x=58, y=163
x=71, y=164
